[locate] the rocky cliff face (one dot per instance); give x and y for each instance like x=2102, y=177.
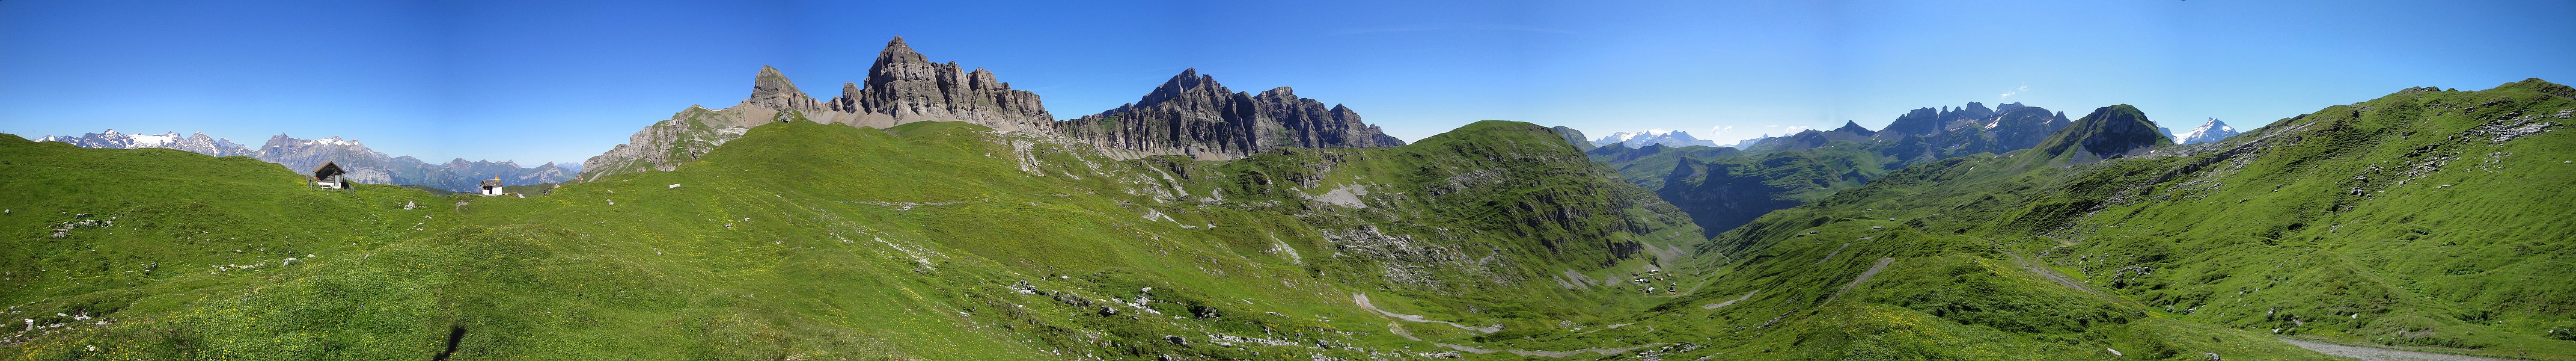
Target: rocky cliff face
x=1193, y=115
x=1190, y=115
x=902, y=87
x=772, y=90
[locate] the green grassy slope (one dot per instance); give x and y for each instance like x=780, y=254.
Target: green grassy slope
x=2425, y=219
x=812, y=241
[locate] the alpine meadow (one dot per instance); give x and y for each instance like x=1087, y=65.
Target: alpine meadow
x=927, y=210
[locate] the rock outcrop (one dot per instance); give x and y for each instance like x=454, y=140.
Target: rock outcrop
x=902, y=87
x=689, y=134
x=1192, y=115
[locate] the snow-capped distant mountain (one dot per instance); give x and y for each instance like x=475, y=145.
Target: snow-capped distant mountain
x=2211, y=131
x=199, y=143
x=1669, y=138
x=364, y=165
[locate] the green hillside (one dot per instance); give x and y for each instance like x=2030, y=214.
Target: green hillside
x=2423, y=220
x=2426, y=220
x=814, y=241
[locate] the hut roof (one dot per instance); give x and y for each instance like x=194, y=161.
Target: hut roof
x=328, y=169
x=494, y=182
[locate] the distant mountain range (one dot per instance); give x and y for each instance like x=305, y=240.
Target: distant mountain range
x=2211, y=131
x=364, y=165
x=1639, y=139
x=1722, y=187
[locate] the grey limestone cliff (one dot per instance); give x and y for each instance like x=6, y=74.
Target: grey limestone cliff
x=1190, y=115
x=1194, y=116
x=902, y=87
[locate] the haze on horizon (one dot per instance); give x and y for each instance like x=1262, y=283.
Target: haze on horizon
x=565, y=81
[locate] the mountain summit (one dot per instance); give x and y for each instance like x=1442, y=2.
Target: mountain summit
x=1189, y=115
x=2109, y=132
x=2211, y=131
x=902, y=87
x=1193, y=115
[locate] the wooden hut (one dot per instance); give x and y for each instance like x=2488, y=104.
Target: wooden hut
x=492, y=187
x=330, y=176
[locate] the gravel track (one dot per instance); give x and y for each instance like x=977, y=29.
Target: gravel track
x=2380, y=354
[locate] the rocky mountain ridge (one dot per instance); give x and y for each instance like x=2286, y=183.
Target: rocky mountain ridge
x=1189, y=115
x=1192, y=115
x=903, y=86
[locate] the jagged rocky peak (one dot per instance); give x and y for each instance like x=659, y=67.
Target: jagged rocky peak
x=771, y=89
x=1854, y=127
x=1195, y=90
x=1191, y=114
x=903, y=86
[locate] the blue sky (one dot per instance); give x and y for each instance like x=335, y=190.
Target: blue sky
x=561, y=81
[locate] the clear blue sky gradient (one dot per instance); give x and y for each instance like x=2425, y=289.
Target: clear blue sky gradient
x=539, y=81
